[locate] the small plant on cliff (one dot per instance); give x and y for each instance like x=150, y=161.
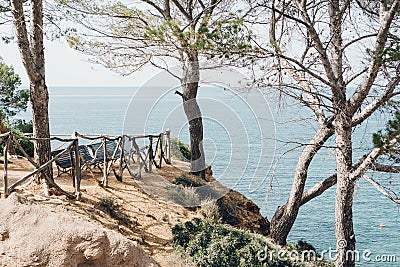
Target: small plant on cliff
x=183, y=195
x=186, y=181
x=112, y=208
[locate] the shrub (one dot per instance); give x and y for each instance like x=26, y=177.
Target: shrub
x=180, y=150
x=211, y=244
x=184, y=196
x=186, y=181
x=23, y=126
x=112, y=208
x=27, y=145
x=210, y=211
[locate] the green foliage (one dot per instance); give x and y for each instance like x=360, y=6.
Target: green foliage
x=226, y=36
x=180, y=150
x=27, y=145
x=392, y=51
x=22, y=126
x=186, y=181
x=215, y=245
x=12, y=99
x=112, y=208
x=382, y=138
x=304, y=245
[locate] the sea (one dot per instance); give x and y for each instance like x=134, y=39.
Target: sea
x=252, y=141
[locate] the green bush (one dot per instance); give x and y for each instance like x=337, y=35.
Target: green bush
x=215, y=245
x=112, y=208
x=27, y=145
x=23, y=126
x=180, y=150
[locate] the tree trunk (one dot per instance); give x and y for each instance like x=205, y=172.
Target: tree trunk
x=40, y=121
x=285, y=216
x=32, y=54
x=193, y=115
x=345, y=237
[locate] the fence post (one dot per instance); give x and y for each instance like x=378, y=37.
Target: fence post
x=139, y=173
x=151, y=154
x=77, y=171
x=5, y=172
x=168, y=145
x=122, y=157
x=160, y=138
x=105, y=182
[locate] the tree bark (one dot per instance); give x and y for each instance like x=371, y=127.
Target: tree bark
x=193, y=114
x=285, y=216
x=40, y=121
x=344, y=229
x=32, y=54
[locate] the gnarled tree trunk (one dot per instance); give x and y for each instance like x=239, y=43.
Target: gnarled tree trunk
x=285, y=216
x=32, y=54
x=193, y=114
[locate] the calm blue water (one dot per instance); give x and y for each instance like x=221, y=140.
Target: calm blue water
x=105, y=110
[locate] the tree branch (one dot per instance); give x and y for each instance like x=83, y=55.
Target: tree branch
x=319, y=47
x=358, y=97
x=158, y=8
x=386, y=168
x=377, y=103
x=358, y=39
x=182, y=10
x=318, y=189
x=363, y=164
x=22, y=38
x=381, y=189
x=299, y=76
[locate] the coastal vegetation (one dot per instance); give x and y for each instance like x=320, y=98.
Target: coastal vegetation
x=212, y=244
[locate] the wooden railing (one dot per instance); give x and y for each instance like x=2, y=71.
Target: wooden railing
x=130, y=154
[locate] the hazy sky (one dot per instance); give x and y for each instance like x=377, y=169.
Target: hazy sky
x=67, y=67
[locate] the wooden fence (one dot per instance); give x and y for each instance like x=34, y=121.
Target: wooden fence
x=156, y=149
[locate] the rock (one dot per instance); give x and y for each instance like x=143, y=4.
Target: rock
x=38, y=235
x=240, y=212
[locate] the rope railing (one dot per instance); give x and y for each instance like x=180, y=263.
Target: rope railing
x=125, y=148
